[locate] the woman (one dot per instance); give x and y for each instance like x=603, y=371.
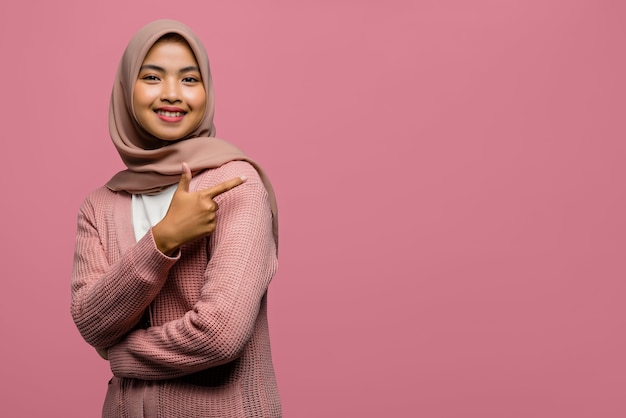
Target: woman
x=175, y=254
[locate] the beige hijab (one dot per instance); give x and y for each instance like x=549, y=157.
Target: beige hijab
x=152, y=163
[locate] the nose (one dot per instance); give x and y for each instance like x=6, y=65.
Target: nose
x=171, y=91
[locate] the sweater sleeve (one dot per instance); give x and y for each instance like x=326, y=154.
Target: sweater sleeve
x=109, y=299
x=216, y=330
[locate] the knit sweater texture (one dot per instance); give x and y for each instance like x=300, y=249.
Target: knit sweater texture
x=206, y=352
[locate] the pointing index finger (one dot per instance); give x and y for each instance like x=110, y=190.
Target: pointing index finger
x=224, y=186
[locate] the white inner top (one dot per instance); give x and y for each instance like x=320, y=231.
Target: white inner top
x=149, y=210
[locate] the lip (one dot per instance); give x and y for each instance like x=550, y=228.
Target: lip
x=169, y=109
x=175, y=114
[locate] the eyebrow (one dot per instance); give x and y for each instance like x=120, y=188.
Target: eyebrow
x=161, y=69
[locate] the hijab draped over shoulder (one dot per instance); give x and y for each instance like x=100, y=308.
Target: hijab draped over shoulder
x=153, y=163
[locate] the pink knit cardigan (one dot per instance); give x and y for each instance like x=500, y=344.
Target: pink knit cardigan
x=207, y=353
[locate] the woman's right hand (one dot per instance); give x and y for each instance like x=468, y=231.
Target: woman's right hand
x=191, y=215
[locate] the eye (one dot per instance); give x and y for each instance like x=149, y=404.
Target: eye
x=191, y=80
x=150, y=77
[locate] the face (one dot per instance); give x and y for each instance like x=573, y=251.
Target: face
x=169, y=97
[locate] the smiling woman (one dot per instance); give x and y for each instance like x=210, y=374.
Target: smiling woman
x=169, y=98
x=166, y=288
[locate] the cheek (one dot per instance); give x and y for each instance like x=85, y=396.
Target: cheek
x=197, y=99
x=202, y=105
x=137, y=97
x=142, y=95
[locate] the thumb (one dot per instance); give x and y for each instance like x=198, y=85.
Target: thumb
x=185, y=178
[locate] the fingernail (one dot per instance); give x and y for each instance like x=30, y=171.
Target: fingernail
x=243, y=178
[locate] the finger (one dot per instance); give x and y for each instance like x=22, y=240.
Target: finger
x=185, y=178
x=224, y=187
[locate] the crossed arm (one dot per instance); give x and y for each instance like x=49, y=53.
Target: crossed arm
x=108, y=300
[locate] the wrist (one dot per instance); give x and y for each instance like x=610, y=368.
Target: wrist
x=164, y=244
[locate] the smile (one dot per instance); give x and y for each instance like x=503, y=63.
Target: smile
x=169, y=114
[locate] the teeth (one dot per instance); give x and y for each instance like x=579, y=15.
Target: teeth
x=170, y=114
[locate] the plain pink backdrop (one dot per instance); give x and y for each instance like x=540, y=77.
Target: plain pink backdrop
x=450, y=177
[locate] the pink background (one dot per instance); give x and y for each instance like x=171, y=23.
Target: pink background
x=450, y=177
